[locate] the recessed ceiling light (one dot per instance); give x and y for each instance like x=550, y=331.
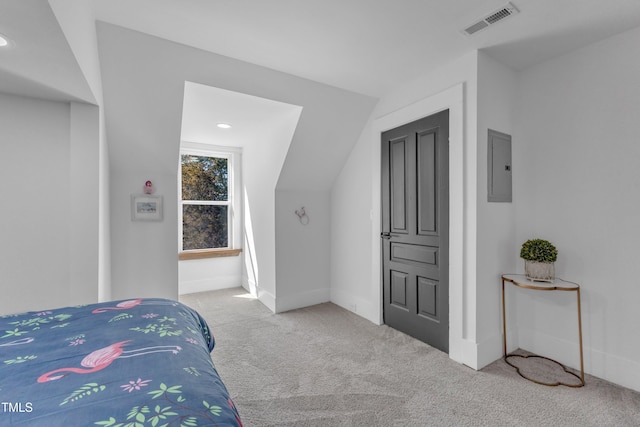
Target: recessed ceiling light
x=224, y=125
x=4, y=41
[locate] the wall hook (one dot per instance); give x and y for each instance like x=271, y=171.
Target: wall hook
x=302, y=216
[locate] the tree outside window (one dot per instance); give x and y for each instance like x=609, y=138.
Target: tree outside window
x=205, y=201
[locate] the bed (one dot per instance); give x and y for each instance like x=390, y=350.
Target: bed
x=139, y=362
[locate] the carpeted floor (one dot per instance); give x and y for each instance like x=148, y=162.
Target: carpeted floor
x=325, y=366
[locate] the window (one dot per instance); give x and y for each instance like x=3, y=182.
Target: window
x=206, y=199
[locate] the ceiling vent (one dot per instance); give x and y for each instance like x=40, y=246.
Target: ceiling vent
x=492, y=18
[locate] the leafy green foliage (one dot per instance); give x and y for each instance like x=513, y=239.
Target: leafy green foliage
x=192, y=371
x=121, y=316
x=110, y=422
x=204, y=179
x=539, y=250
x=164, y=390
x=214, y=409
x=75, y=337
x=35, y=323
x=8, y=316
x=173, y=412
x=60, y=325
x=20, y=359
x=204, y=227
x=163, y=327
x=83, y=391
x=189, y=422
x=15, y=333
x=138, y=412
x=161, y=414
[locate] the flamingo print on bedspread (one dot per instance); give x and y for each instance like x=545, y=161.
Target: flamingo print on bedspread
x=124, y=305
x=101, y=358
x=59, y=367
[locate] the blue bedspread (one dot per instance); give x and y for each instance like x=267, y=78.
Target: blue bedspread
x=142, y=362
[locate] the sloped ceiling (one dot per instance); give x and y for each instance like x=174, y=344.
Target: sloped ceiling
x=365, y=46
x=362, y=46
x=250, y=116
x=263, y=128
x=144, y=79
x=370, y=46
x=39, y=63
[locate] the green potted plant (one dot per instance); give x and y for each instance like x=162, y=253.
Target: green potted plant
x=539, y=257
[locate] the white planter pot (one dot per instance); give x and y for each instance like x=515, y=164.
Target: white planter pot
x=540, y=271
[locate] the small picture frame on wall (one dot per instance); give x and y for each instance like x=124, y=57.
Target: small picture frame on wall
x=146, y=208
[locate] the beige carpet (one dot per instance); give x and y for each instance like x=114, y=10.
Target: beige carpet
x=325, y=366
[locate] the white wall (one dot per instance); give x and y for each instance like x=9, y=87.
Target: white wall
x=84, y=209
x=143, y=79
x=259, y=179
x=351, y=205
x=35, y=189
x=574, y=132
x=104, y=226
x=209, y=274
x=576, y=162
x=64, y=191
x=497, y=250
x=302, y=254
x=48, y=182
x=144, y=254
x=77, y=21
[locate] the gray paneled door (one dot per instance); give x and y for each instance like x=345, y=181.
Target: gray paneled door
x=415, y=229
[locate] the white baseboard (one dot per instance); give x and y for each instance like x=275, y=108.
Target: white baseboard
x=616, y=369
x=466, y=352
x=490, y=350
x=204, y=285
x=469, y=355
x=267, y=298
x=356, y=305
x=304, y=299
x=603, y=365
x=564, y=351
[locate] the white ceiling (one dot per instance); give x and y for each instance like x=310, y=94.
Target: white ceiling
x=251, y=117
x=366, y=46
x=370, y=46
x=39, y=62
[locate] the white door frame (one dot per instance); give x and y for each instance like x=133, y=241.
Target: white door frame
x=460, y=349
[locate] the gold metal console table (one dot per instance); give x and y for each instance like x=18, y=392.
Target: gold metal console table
x=521, y=281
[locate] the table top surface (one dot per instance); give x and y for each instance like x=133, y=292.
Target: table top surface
x=557, y=285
